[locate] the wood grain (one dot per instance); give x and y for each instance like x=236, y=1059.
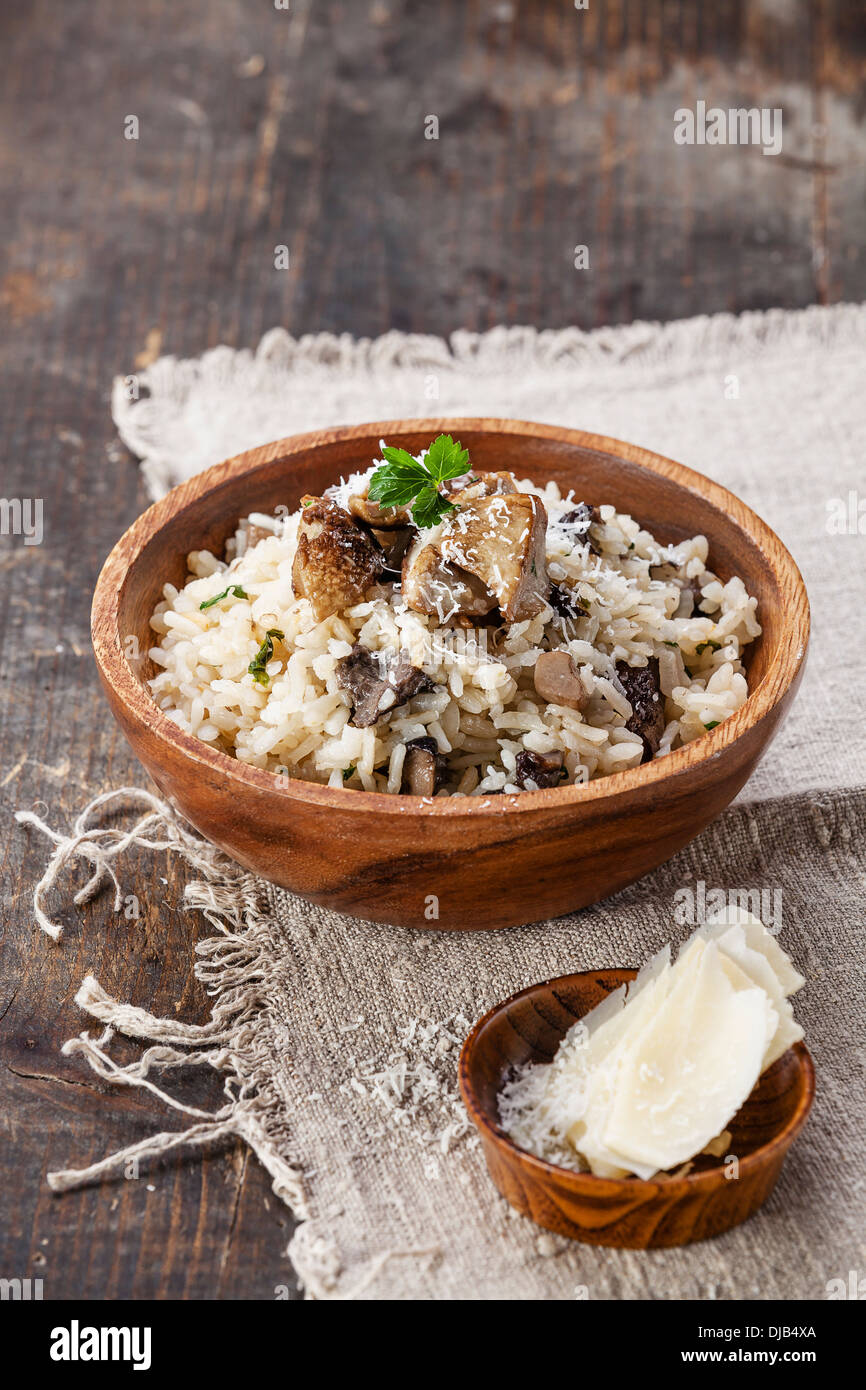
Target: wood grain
x=629, y=1212
x=378, y=856
x=554, y=130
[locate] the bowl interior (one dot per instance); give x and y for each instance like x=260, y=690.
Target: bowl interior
x=203, y=514
x=530, y=1026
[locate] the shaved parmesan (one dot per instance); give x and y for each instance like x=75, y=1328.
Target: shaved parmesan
x=689, y=1070
x=759, y=939
x=653, y=1076
x=755, y=964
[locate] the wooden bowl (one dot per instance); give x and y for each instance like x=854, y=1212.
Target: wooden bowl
x=627, y=1212
x=479, y=862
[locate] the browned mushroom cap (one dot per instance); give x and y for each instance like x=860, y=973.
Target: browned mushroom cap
x=336, y=562
x=558, y=681
x=424, y=768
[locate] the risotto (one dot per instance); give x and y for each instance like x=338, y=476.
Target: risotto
x=497, y=637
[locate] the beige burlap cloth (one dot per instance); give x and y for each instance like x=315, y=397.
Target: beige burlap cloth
x=338, y=1040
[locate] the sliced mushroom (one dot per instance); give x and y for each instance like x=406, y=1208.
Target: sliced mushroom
x=407, y=680
x=564, y=601
x=424, y=768
x=580, y=520
x=644, y=693
x=382, y=518
x=541, y=769
x=378, y=685
x=441, y=590
x=481, y=485
x=394, y=545
x=558, y=681
x=667, y=573
x=336, y=562
x=501, y=540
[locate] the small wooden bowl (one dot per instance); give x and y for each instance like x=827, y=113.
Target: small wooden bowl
x=490, y=861
x=625, y=1212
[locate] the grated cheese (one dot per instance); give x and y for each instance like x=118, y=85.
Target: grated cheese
x=413, y=1085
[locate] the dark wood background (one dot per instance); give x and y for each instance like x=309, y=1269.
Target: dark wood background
x=261, y=127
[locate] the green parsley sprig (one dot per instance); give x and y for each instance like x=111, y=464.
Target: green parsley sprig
x=403, y=479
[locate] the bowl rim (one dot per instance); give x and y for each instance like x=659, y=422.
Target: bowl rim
x=137, y=701
x=589, y=1183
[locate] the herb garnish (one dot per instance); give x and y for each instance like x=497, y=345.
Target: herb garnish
x=713, y=724
x=402, y=479
x=257, y=667
x=702, y=646
x=348, y=772
x=236, y=589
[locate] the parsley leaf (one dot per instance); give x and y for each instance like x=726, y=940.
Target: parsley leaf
x=257, y=667
x=702, y=646
x=430, y=507
x=400, y=457
x=403, y=480
x=238, y=591
x=714, y=724
x=445, y=458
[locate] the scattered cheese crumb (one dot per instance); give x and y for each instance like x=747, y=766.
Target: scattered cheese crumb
x=414, y=1084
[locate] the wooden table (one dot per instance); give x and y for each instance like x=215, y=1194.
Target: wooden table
x=259, y=127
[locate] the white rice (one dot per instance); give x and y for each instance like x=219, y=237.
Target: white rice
x=484, y=710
